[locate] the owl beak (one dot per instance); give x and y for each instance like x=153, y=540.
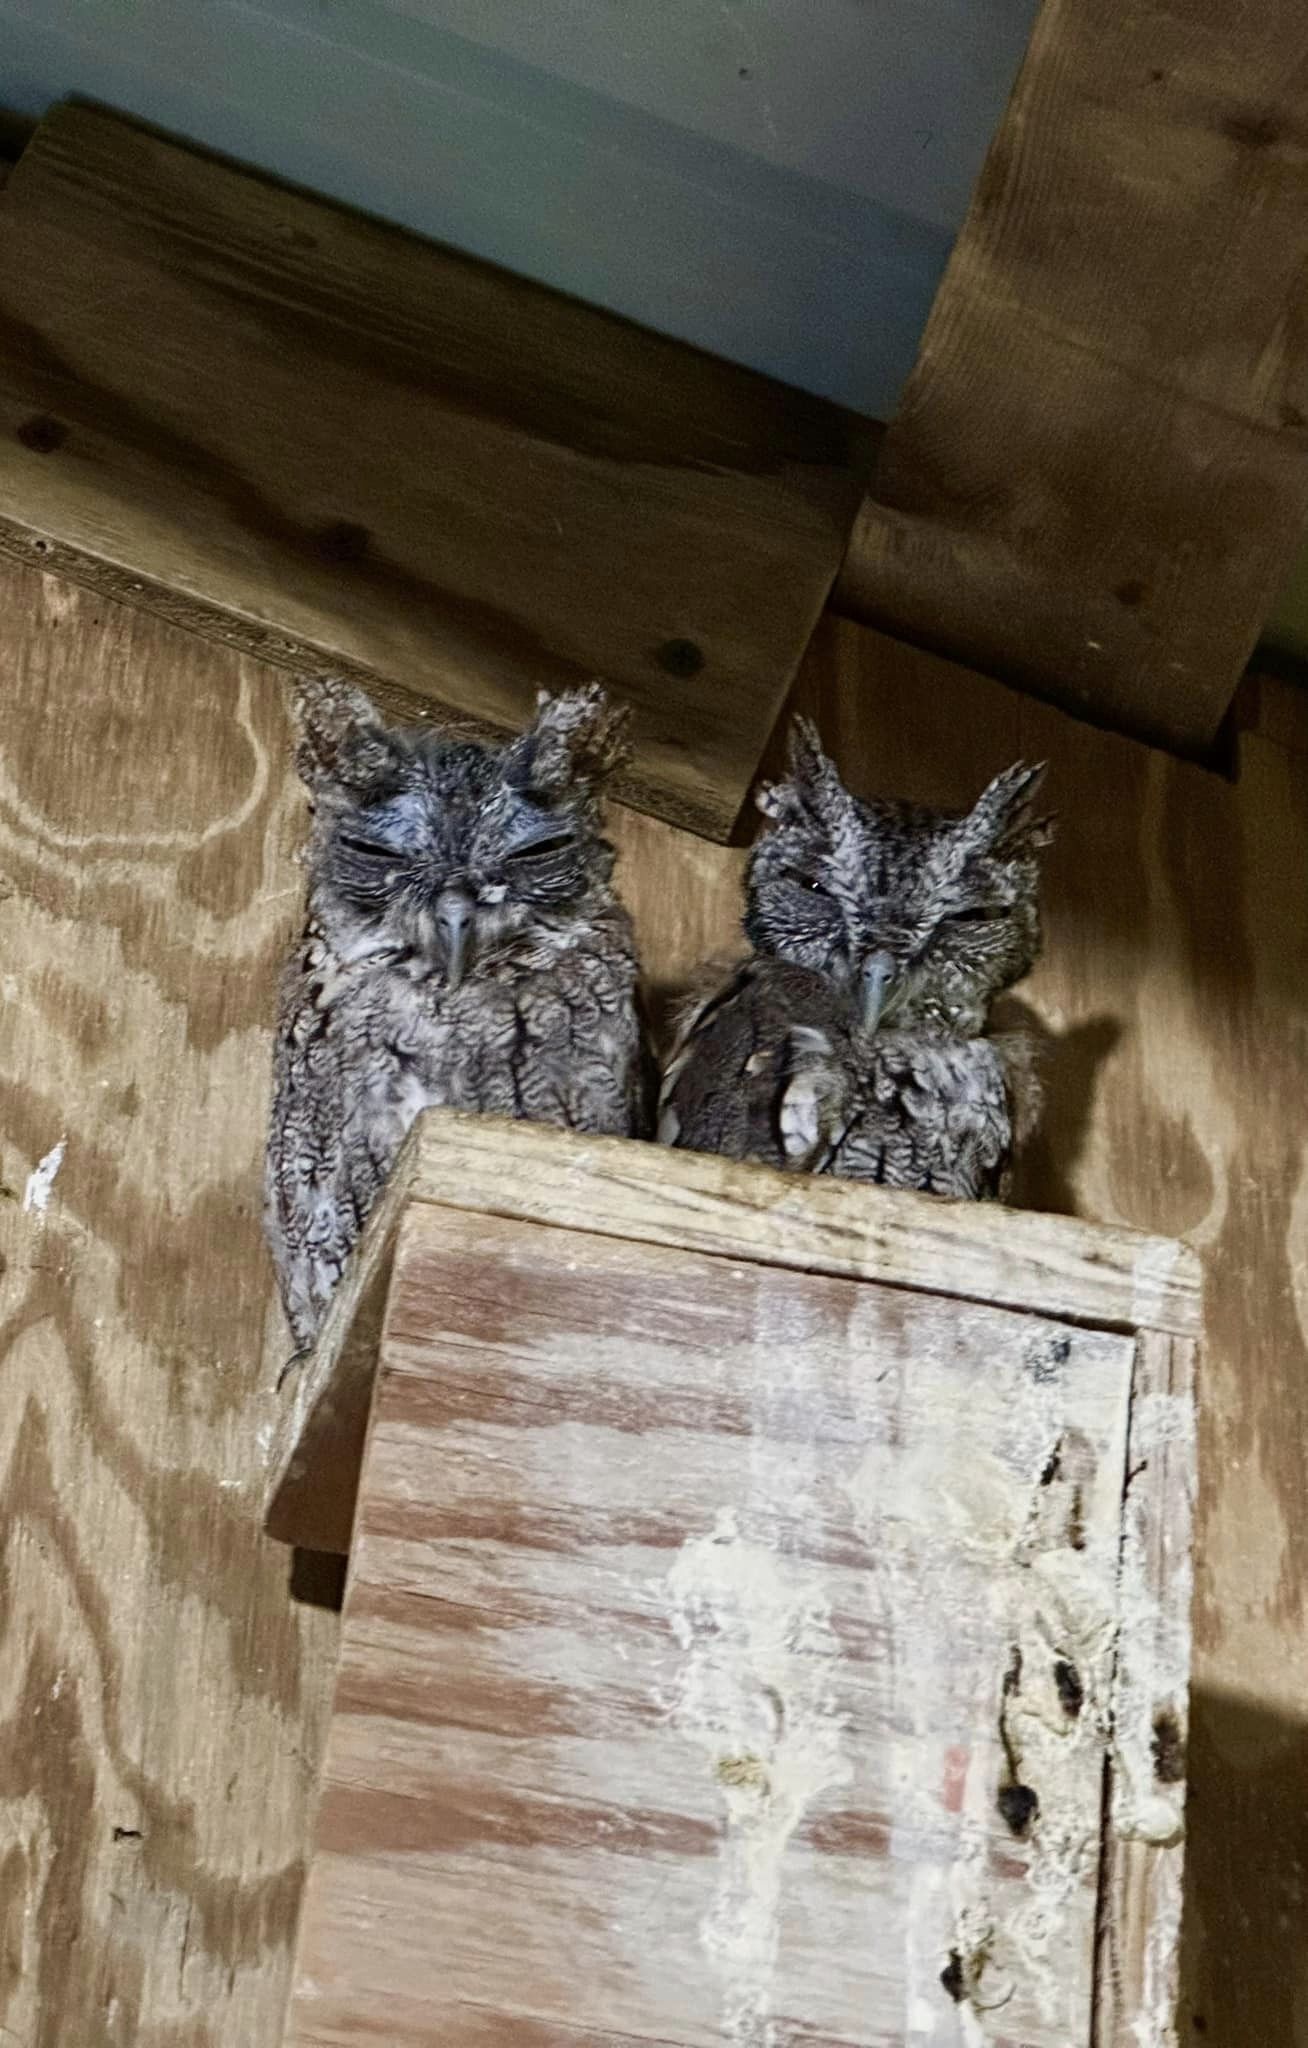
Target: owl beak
x=875, y=977
x=454, y=911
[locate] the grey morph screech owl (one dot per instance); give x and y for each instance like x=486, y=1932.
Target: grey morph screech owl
x=854, y=1040
x=463, y=946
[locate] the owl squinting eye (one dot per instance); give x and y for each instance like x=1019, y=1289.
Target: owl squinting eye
x=800, y=881
x=973, y=916
x=371, y=849
x=537, y=849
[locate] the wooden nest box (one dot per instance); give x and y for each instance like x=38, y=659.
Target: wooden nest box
x=767, y=1618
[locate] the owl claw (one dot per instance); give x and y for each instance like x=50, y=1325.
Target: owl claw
x=293, y=1363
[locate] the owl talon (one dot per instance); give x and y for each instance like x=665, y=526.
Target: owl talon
x=293, y=1363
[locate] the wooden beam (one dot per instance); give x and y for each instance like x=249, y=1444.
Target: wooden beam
x=1099, y=471
x=323, y=441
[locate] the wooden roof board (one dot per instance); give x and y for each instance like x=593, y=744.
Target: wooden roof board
x=318, y=437
x=1098, y=472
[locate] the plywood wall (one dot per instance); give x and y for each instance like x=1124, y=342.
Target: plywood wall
x=161, y=1692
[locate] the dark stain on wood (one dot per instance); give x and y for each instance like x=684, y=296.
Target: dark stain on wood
x=1018, y=1806
x=343, y=541
x=952, y=1977
x=1252, y=130
x=1071, y=1692
x=1168, y=1747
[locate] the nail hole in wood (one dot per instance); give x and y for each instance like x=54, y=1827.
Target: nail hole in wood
x=680, y=658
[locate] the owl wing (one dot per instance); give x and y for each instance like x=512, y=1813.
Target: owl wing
x=327, y=1158
x=934, y=1114
x=759, y=1069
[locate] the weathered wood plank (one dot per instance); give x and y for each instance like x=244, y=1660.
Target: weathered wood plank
x=701, y=1617
x=317, y=1448
x=1098, y=473
x=651, y=1195
x=1142, y=1893
x=162, y=1696
x=329, y=443
x=1052, y=1265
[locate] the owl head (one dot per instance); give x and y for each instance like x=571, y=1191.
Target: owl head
x=924, y=916
x=434, y=849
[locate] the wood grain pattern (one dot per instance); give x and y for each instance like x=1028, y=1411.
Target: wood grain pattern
x=1051, y=1265
x=162, y=1696
x=1098, y=473
x=699, y=1615
x=645, y=1194
x=331, y=444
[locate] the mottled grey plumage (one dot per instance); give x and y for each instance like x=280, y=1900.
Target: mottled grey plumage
x=462, y=947
x=853, y=1041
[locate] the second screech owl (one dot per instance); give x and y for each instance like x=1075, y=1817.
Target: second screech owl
x=463, y=947
x=853, y=1041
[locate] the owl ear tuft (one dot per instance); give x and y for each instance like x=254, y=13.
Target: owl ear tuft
x=341, y=747
x=812, y=788
x=1002, y=819
x=812, y=772
x=577, y=742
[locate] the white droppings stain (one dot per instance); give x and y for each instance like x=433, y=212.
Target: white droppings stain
x=40, y=1181
x=956, y=1536
x=755, y=1693
x=264, y=1439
